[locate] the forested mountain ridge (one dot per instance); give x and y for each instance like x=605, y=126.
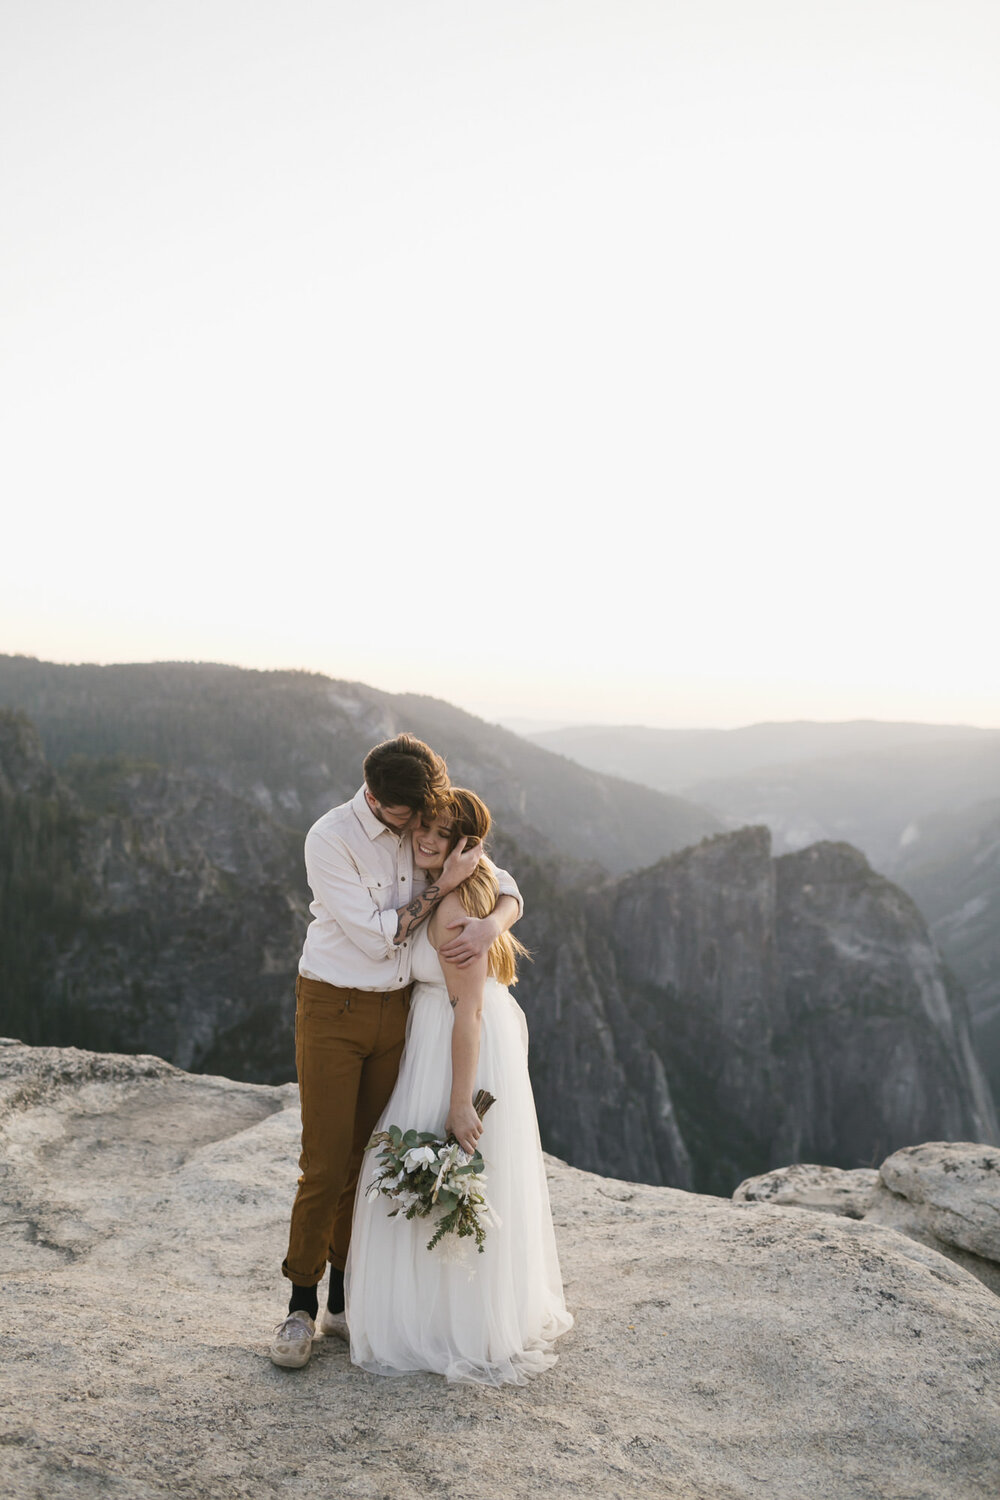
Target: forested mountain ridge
x=144, y=910
x=294, y=742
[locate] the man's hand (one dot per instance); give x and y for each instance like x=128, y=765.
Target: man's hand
x=475, y=937
x=459, y=865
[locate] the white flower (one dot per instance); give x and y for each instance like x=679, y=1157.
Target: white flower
x=419, y=1156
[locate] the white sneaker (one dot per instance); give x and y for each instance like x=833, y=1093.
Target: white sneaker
x=292, y=1342
x=335, y=1324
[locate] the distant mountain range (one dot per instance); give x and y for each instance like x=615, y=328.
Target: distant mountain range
x=675, y=760
x=697, y=1014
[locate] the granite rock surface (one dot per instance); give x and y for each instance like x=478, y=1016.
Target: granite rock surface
x=946, y=1194
x=721, y=1351
x=831, y=1190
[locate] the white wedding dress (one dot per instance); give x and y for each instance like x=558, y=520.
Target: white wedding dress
x=489, y=1318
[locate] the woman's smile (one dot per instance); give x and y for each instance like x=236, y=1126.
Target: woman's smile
x=431, y=842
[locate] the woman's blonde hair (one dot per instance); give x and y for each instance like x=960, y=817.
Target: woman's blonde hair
x=470, y=817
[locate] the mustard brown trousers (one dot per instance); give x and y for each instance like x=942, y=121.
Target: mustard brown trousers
x=347, y=1049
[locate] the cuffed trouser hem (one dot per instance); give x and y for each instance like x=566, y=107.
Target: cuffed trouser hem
x=294, y=1278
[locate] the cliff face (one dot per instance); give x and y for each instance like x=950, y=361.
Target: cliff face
x=695, y=960
x=865, y=985
x=950, y=864
x=749, y=1010
x=600, y=1090
x=693, y=1024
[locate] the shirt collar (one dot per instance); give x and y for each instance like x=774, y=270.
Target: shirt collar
x=371, y=825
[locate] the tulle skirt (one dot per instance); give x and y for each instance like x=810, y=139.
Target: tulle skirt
x=485, y=1318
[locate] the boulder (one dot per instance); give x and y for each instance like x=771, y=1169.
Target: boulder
x=829, y=1190
x=945, y=1194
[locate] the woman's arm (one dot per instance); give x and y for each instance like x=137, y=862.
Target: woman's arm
x=465, y=991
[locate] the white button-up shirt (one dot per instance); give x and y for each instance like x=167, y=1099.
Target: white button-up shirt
x=359, y=872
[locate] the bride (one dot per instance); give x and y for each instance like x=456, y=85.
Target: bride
x=488, y=1318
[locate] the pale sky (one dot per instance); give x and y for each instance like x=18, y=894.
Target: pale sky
x=602, y=360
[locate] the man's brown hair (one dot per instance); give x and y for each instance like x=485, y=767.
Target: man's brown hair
x=405, y=772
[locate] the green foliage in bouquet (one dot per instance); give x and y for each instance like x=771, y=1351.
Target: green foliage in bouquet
x=424, y=1174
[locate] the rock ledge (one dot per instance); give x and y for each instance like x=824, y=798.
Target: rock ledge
x=721, y=1350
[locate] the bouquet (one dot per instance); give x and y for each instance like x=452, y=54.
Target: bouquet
x=424, y=1175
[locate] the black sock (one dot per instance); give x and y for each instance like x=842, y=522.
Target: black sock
x=304, y=1299
x=335, y=1295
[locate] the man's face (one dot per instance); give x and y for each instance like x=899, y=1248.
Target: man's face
x=396, y=818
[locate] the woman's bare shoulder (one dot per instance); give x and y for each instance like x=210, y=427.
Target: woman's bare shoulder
x=448, y=909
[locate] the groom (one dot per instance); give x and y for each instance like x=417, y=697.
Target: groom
x=352, y=997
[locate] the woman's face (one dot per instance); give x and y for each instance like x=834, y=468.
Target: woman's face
x=432, y=842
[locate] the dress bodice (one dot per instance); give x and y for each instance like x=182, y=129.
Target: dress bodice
x=425, y=967
x=425, y=970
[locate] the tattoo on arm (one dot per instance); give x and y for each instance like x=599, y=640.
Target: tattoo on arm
x=414, y=912
x=454, y=1001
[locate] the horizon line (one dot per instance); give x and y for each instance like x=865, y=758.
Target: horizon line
x=520, y=716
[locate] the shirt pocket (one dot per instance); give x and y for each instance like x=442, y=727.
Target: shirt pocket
x=377, y=886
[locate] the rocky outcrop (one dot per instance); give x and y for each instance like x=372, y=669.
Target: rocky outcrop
x=863, y=983
x=945, y=1194
x=721, y=1352
x=956, y=1188
x=790, y=1009
x=828, y=1190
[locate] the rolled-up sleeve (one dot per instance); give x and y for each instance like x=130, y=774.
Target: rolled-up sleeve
x=348, y=896
x=508, y=886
